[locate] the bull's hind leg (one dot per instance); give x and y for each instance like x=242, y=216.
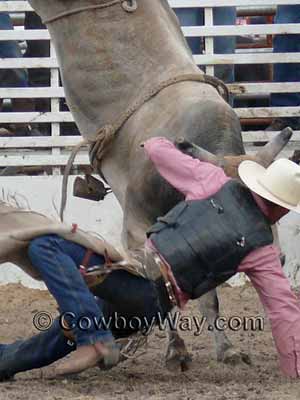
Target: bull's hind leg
x=133, y=236
x=177, y=357
x=226, y=352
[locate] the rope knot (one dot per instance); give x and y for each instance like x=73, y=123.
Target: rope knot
x=103, y=141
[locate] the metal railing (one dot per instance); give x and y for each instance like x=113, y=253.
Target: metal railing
x=53, y=150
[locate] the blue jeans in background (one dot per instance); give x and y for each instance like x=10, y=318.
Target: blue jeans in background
x=11, y=49
x=286, y=44
x=222, y=45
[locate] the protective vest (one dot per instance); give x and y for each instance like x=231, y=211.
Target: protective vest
x=204, y=241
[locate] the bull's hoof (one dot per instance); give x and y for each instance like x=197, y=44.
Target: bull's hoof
x=233, y=357
x=178, y=363
x=178, y=359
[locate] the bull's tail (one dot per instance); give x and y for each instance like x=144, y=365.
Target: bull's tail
x=64, y=188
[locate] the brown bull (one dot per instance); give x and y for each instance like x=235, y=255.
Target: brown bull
x=129, y=75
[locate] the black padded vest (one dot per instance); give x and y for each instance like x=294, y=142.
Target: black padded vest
x=204, y=241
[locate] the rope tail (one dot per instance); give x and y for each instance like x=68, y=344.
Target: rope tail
x=64, y=189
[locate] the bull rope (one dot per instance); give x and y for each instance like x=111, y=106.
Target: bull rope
x=106, y=135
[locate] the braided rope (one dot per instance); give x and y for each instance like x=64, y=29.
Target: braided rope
x=106, y=135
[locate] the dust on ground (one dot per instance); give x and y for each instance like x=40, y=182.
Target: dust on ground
x=146, y=377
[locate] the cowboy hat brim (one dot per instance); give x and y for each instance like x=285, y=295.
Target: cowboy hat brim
x=250, y=172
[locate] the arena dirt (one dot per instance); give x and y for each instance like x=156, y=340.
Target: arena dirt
x=146, y=377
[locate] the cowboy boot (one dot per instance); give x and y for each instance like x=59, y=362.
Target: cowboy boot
x=85, y=357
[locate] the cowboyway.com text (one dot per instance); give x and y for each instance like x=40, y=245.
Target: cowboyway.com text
x=172, y=321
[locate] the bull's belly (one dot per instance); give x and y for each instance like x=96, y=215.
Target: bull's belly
x=192, y=110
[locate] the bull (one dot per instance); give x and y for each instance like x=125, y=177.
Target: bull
x=129, y=75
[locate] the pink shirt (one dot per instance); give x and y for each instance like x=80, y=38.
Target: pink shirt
x=199, y=180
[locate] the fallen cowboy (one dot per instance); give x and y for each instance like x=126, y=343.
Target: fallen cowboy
x=221, y=228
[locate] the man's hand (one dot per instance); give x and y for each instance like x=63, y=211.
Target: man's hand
x=184, y=145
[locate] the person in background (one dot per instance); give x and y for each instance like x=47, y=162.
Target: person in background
x=38, y=77
x=222, y=45
x=286, y=72
x=14, y=78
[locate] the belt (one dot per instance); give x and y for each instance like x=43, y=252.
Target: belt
x=163, y=296
x=165, y=280
x=157, y=272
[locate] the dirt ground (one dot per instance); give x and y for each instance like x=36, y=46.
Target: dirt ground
x=146, y=377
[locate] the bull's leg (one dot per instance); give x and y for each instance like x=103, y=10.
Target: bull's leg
x=133, y=236
x=209, y=308
x=177, y=357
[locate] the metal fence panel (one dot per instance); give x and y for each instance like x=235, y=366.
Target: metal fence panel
x=53, y=150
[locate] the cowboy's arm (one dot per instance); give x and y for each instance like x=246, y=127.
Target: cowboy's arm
x=264, y=269
x=194, y=178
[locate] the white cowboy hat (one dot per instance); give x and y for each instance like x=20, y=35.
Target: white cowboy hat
x=279, y=183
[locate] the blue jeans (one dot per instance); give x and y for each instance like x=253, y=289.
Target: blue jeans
x=286, y=43
x=11, y=49
x=120, y=295
x=36, y=352
x=57, y=261
x=222, y=45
